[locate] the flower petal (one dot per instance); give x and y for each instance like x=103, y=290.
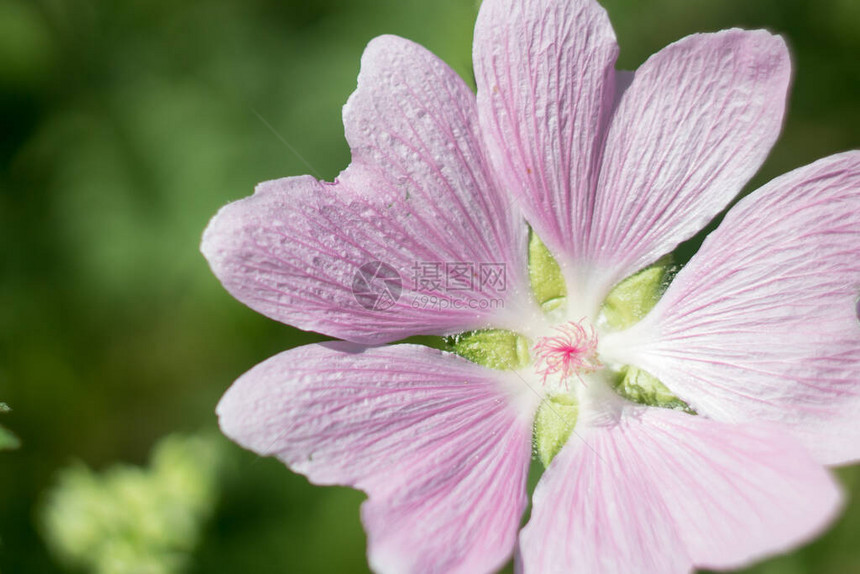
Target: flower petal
x=441, y=445
x=762, y=324
x=545, y=78
x=417, y=197
x=693, y=127
x=656, y=490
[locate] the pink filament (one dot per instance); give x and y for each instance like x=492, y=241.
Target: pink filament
x=573, y=351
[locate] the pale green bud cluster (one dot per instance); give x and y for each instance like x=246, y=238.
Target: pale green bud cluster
x=135, y=520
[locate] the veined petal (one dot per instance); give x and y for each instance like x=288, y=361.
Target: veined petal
x=545, y=74
x=441, y=445
x=763, y=324
x=655, y=490
x=418, y=197
x=695, y=124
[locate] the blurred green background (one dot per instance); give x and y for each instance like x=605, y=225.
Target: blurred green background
x=124, y=126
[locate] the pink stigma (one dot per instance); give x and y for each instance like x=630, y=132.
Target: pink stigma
x=573, y=351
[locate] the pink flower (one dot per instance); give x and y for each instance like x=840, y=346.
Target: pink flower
x=759, y=333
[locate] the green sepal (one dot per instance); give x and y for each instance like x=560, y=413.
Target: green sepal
x=552, y=304
x=641, y=387
x=634, y=297
x=493, y=348
x=554, y=423
x=545, y=274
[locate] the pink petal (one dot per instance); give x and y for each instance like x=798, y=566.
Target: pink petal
x=441, y=445
x=655, y=490
x=694, y=126
x=418, y=197
x=762, y=324
x=545, y=78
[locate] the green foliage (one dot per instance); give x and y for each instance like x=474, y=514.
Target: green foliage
x=131, y=520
